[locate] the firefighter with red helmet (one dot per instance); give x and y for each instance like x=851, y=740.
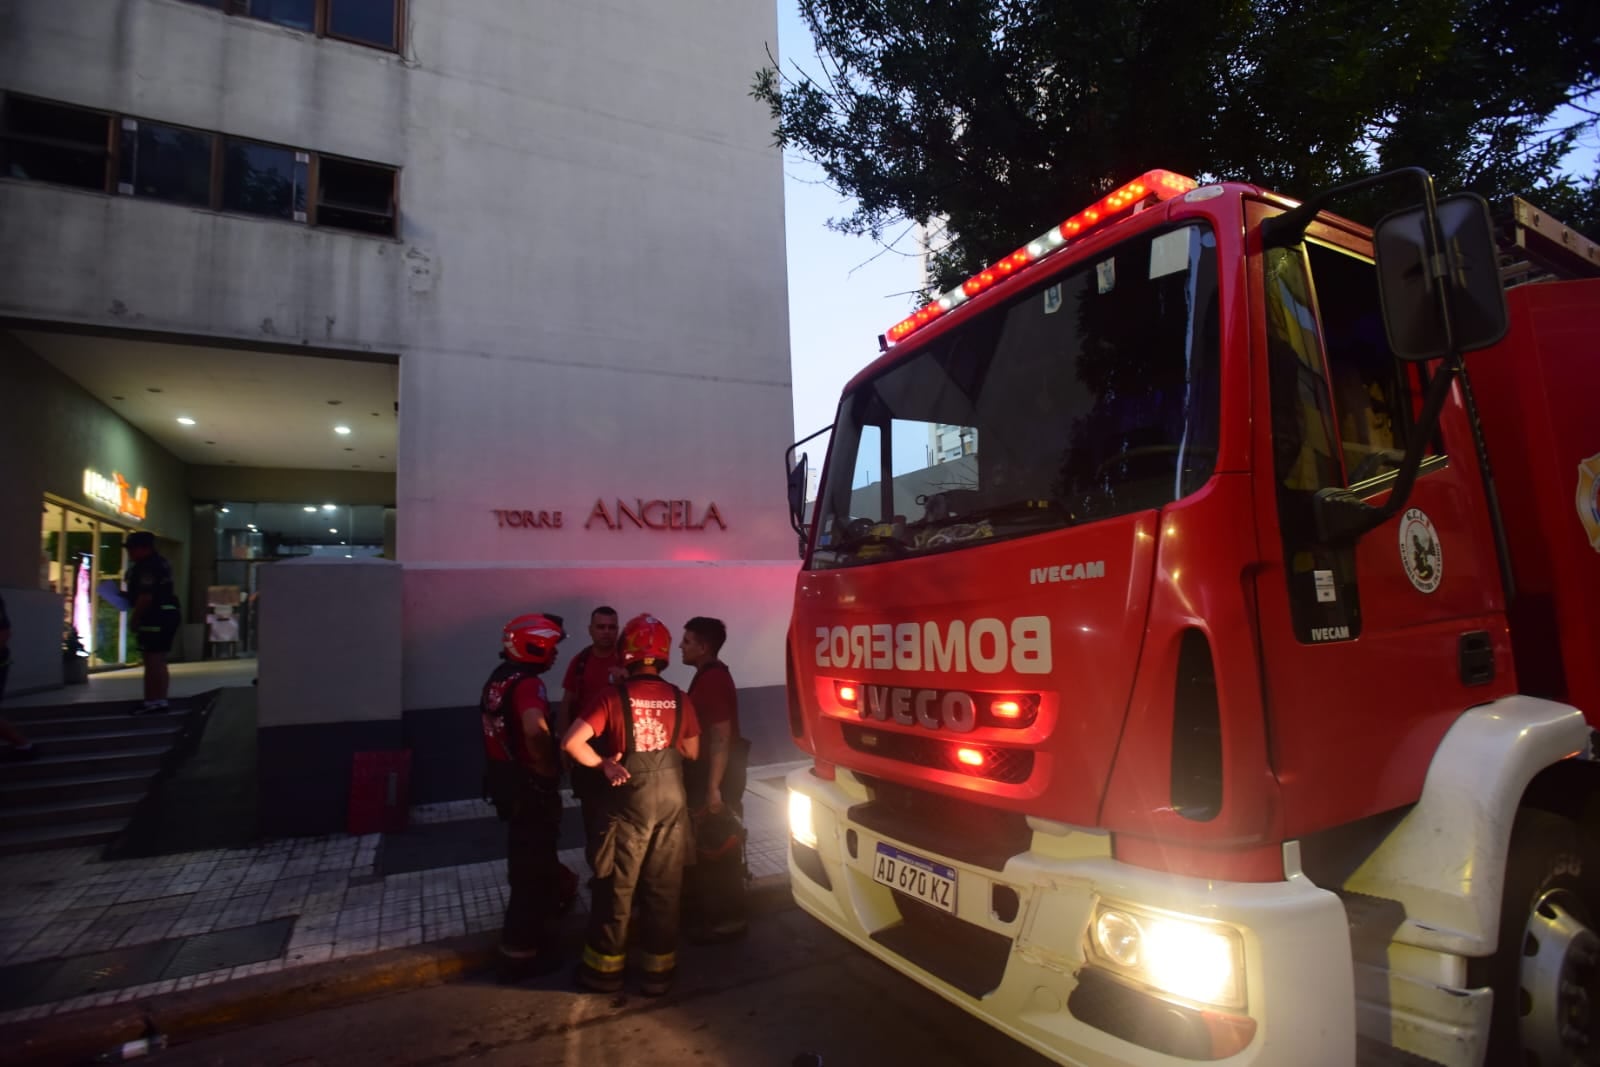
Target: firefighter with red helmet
x=523, y=779
x=652, y=727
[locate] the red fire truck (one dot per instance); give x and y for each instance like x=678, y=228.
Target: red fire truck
x=1181, y=682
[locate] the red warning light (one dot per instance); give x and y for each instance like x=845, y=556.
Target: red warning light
x=1006, y=709
x=848, y=694
x=972, y=757
x=1161, y=184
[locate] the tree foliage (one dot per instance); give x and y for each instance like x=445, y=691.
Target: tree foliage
x=995, y=117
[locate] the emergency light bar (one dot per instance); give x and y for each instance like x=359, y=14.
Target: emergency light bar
x=1162, y=184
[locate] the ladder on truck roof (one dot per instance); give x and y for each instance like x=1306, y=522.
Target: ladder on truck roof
x=1535, y=247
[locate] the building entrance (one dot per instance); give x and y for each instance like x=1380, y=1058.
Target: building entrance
x=77, y=552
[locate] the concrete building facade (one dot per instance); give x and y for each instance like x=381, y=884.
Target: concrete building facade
x=561, y=224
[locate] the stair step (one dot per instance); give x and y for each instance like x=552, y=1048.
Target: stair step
x=110, y=710
x=51, y=765
x=108, y=741
x=40, y=838
x=72, y=787
x=61, y=813
x=74, y=725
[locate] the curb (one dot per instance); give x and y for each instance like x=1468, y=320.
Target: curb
x=187, y=1015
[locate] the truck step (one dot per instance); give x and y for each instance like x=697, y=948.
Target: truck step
x=1373, y=1053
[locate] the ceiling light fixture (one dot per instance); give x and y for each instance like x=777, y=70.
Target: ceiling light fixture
x=333, y=529
x=184, y=420
x=329, y=507
x=311, y=507
x=341, y=430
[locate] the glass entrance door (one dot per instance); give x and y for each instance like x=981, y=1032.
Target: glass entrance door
x=77, y=552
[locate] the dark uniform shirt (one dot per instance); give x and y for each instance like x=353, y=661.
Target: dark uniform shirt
x=151, y=576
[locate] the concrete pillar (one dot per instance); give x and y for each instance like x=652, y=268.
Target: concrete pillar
x=329, y=685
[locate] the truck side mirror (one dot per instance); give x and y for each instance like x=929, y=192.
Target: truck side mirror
x=1465, y=273
x=797, y=498
x=797, y=489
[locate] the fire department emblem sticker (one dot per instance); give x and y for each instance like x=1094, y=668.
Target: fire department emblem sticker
x=1589, y=499
x=1420, y=551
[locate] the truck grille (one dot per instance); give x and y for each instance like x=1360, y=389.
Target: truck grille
x=1009, y=765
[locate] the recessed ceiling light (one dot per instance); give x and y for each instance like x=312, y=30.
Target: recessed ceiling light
x=151, y=389
x=119, y=398
x=184, y=420
x=210, y=442
x=223, y=510
x=333, y=529
x=341, y=430
x=328, y=507
x=335, y=403
x=311, y=507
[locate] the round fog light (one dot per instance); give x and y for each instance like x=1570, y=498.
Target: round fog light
x=1116, y=934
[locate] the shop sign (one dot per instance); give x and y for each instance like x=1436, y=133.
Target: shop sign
x=656, y=515
x=115, y=492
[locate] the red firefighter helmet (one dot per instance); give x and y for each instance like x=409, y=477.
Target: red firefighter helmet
x=532, y=639
x=645, y=638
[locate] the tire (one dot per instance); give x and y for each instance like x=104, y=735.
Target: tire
x=1545, y=972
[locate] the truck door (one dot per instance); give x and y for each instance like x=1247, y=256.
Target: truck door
x=1370, y=651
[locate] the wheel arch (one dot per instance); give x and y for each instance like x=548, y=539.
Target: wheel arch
x=1445, y=860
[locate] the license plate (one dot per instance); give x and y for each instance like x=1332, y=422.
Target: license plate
x=929, y=882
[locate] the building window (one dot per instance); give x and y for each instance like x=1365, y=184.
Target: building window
x=355, y=196
x=262, y=179
x=165, y=163
x=375, y=23
x=49, y=142
x=46, y=142
x=295, y=14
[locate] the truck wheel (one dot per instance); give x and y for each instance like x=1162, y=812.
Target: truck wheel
x=1546, y=971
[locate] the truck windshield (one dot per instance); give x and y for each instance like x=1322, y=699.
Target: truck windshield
x=1094, y=393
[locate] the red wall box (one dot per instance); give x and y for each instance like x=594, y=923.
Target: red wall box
x=380, y=791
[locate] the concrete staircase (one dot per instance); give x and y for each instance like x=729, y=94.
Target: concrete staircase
x=96, y=763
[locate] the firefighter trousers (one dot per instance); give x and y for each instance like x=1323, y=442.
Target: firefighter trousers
x=639, y=864
x=534, y=871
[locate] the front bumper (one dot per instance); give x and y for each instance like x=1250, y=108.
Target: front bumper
x=1014, y=954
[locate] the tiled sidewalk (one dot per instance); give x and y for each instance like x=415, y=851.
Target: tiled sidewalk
x=68, y=905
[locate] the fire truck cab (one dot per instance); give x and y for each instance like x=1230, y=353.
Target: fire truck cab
x=1181, y=681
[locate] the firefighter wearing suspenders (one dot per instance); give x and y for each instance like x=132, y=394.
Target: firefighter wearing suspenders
x=640, y=858
x=522, y=778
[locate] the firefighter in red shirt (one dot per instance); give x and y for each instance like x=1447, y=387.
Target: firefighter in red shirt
x=652, y=728
x=594, y=669
x=713, y=892
x=523, y=780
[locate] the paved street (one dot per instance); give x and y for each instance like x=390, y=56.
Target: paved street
x=791, y=988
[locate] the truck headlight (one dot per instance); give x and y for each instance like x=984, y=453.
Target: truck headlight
x=800, y=825
x=1192, y=959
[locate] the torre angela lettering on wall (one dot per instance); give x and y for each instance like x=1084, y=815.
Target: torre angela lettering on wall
x=655, y=515
x=642, y=514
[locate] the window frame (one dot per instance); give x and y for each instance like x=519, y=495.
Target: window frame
x=315, y=200
x=114, y=157
x=321, y=21
x=213, y=172
x=108, y=149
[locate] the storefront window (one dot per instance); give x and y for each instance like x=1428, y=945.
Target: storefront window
x=77, y=553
